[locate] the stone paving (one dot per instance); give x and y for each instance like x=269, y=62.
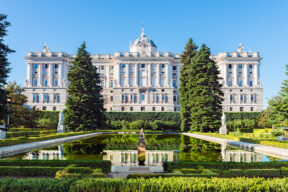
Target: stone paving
x=263, y=149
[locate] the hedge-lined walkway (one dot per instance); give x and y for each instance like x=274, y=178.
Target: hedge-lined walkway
x=263, y=149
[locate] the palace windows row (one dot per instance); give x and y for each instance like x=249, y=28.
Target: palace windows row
x=46, y=98
x=243, y=98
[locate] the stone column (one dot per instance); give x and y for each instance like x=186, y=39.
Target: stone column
x=29, y=75
x=225, y=75
x=256, y=75
x=107, y=76
x=235, y=83
x=170, y=75
x=60, y=79
x=158, y=75
x=178, y=75
x=149, y=75
x=245, y=75
x=136, y=75
x=166, y=84
x=117, y=75
x=126, y=84
x=40, y=75
x=50, y=77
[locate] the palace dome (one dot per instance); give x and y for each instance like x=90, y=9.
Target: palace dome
x=143, y=44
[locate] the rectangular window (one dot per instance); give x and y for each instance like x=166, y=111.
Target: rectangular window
x=131, y=108
x=240, y=66
x=54, y=108
x=122, y=109
x=111, y=98
x=230, y=83
x=35, y=66
x=56, y=66
x=153, y=108
x=174, y=98
x=252, y=98
x=240, y=83
x=122, y=66
x=35, y=98
x=111, y=83
x=175, y=83
x=135, y=98
x=230, y=66
x=163, y=97
x=102, y=67
x=174, y=67
x=122, y=97
x=241, y=98
x=56, y=82
x=142, y=108
x=251, y=109
x=46, y=98
x=142, y=66
x=241, y=108
x=35, y=82
x=231, y=108
x=142, y=97
x=162, y=108
x=44, y=108
x=231, y=97
x=251, y=66
x=45, y=83
x=162, y=66
x=45, y=66
x=251, y=83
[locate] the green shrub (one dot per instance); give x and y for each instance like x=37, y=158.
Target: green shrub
x=139, y=124
x=188, y=171
x=180, y=184
x=35, y=184
x=101, y=164
x=169, y=166
x=267, y=173
x=125, y=124
x=230, y=116
x=115, y=125
x=47, y=123
x=284, y=171
x=15, y=171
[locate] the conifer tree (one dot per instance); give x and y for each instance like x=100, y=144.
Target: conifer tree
x=186, y=58
x=205, y=93
x=4, y=64
x=84, y=105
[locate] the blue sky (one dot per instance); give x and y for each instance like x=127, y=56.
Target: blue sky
x=108, y=26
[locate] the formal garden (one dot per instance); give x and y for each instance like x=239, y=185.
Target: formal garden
x=171, y=159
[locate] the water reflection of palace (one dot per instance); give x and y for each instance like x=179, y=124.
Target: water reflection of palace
x=128, y=157
x=46, y=154
x=240, y=156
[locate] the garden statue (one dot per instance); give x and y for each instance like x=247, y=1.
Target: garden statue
x=223, y=128
x=61, y=127
x=141, y=147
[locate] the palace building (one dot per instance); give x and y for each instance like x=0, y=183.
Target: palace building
x=142, y=79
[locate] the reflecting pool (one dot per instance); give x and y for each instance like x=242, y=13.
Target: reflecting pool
x=122, y=150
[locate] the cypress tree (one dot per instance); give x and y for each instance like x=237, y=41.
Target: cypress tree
x=4, y=64
x=84, y=105
x=186, y=58
x=205, y=93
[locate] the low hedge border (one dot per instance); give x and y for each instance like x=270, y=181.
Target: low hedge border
x=169, y=166
x=104, y=165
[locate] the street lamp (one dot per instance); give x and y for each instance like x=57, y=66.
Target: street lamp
x=9, y=101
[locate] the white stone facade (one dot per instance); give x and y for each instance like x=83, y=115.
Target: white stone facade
x=142, y=79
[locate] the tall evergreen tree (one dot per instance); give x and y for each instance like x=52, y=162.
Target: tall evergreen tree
x=186, y=58
x=279, y=105
x=205, y=93
x=4, y=64
x=84, y=105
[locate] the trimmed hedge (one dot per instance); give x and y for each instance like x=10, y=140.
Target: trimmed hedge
x=15, y=171
x=101, y=164
x=180, y=184
x=267, y=173
x=230, y=116
x=169, y=166
x=151, y=185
